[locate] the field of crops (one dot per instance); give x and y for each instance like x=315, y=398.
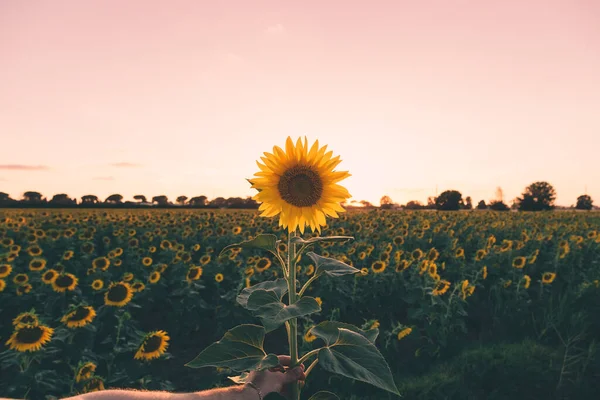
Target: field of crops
x=468, y=304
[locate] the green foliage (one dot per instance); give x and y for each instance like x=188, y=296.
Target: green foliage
x=329, y=331
x=539, y=196
x=584, y=202
x=330, y=266
x=266, y=242
x=449, y=200
x=323, y=395
x=267, y=306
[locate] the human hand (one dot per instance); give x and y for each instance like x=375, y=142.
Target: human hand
x=277, y=379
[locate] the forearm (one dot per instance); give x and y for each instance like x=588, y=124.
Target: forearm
x=230, y=393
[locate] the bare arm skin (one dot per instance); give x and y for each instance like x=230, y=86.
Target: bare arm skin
x=268, y=381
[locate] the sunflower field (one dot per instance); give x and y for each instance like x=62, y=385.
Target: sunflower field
x=468, y=305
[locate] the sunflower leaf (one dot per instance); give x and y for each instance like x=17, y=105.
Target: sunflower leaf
x=323, y=395
x=354, y=356
x=330, y=266
x=267, y=306
x=240, y=349
x=329, y=331
x=299, y=240
x=265, y=241
x=279, y=286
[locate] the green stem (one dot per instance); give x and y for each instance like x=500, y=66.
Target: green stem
x=310, y=367
x=293, y=331
x=308, y=355
x=307, y=284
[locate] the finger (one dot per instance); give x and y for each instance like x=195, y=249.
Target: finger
x=293, y=375
x=285, y=360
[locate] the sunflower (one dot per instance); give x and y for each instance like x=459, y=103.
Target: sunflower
x=193, y=274
x=519, y=262
x=37, y=264
x=527, y=281
x=196, y=247
x=459, y=253
x=300, y=185
x=236, y=230
x=30, y=337
x=548, y=277
x=481, y=253
x=404, y=333
x=97, y=284
x=118, y=294
x=21, y=279
x=95, y=384
x=506, y=245
x=2, y=285
x=319, y=301
x=378, y=267
x=127, y=277
x=7, y=242
x=398, y=240
x=484, y=272
x=64, y=282
x=364, y=271
x=507, y=283
x=34, y=251
x=165, y=244
x=26, y=288
x=147, y=261
x=417, y=254
x=49, y=276
x=205, y=259
x=28, y=318
x=433, y=254
x=219, y=277
x=309, y=337
x=153, y=346
x=263, y=264
x=101, y=263
x=154, y=277
x=310, y=269
x=137, y=286
x=79, y=317
x=440, y=287
x=85, y=371
x=68, y=255
x=5, y=270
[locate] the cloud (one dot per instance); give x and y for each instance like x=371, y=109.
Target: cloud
x=125, y=165
x=103, y=178
x=22, y=167
x=276, y=29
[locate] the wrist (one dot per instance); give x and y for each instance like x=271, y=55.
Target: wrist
x=253, y=391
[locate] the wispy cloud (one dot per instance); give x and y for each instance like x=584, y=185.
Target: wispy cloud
x=276, y=29
x=125, y=165
x=23, y=167
x=103, y=178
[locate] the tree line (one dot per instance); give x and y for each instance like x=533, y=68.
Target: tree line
x=539, y=196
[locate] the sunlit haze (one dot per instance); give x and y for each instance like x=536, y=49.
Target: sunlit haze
x=181, y=97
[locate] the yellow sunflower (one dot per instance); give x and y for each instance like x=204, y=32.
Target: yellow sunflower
x=85, y=371
x=526, y=281
x=378, y=267
x=440, y=287
x=26, y=288
x=154, y=277
x=25, y=318
x=2, y=285
x=519, y=262
x=68, y=255
x=118, y=294
x=193, y=274
x=309, y=337
x=404, y=332
x=300, y=185
x=127, y=277
x=101, y=263
x=137, y=286
x=49, y=276
x=5, y=270
x=79, y=317
x=263, y=264
x=37, y=264
x=21, y=279
x=30, y=337
x=153, y=346
x=548, y=277
x=205, y=259
x=97, y=284
x=219, y=278
x=64, y=282
x=147, y=261
x=95, y=384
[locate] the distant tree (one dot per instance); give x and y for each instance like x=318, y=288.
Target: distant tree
x=62, y=199
x=114, y=199
x=32, y=197
x=584, y=202
x=386, y=202
x=198, y=201
x=430, y=203
x=499, y=194
x=538, y=196
x=366, y=203
x=181, y=199
x=481, y=205
x=414, y=205
x=249, y=202
x=468, y=203
x=498, y=206
x=219, y=202
x=89, y=199
x=141, y=198
x=4, y=196
x=161, y=200
x=449, y=200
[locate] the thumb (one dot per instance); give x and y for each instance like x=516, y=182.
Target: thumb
x=293, y=375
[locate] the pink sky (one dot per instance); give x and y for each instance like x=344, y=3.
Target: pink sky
x=181, y=97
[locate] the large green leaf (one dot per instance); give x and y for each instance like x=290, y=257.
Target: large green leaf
x=330, y=266
x=299, y=240
x=354, y=356
x=267, y=305
x=240, y=349
x=279, y=286
x=265, y=241
x=324, y=396
x=329, y=331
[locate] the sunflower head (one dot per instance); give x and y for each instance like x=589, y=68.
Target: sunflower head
x=64, y=282
x=78, y=317
x=97, y=284
x=26, y=318
x=49, y=276
x=118, y=294
x=85, y=371
x=153, y=346
x=5, y=270
x=300, y=185
x=30, y=337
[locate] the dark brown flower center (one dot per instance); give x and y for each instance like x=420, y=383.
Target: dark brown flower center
x=64, y=281
x=49, y=275
x=30, y=334
x=79, y=315
x=152, y=343
x=28, y=319
x=118, y=293
x=300, y=186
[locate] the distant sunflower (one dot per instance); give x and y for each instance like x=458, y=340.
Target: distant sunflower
x=526, y=281
x=519, y=262
x=154, y=277
x=137, y=286
x=219, y=278
x=402, y=265
x=193, y=274
x=97, y=284
x=37, y=264
x=205, y=259
x=165, y=244
x=236, y=230
x=85, y=371
x=263, y=264
x=481, y=253
x=484, y=272
x=127, y=277
x=440, y=287
x=118, y=294
x=398, y=240
x=117, y=263
x=309, y=337
x=49, y=276
x=5, y=270
x=68, y=255
x=459, y=253
x=79, y=317
x=34, y=251
x=147, y=261
x=23, y=289
x=404, y=333
x=507, y=283
x=433, y=254
x=30, y=337
x=64, y=282
x=310, y=269
x=101, y=263
x=300, y=185
x=21, y=279
x=25, y=318
x=364, y=271
x=153, y=346
x=94, y=384
x=548, y=277
x=2, y=285
x=417, y=254
x=378, y=267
